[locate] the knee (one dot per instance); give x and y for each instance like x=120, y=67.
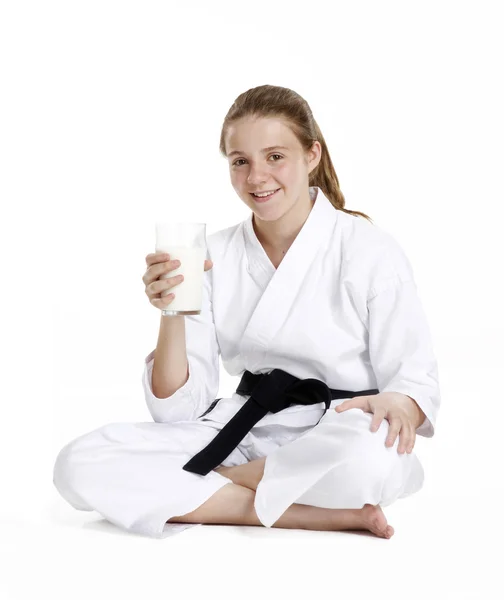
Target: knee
x=72, y=466
x=380, y=471
x=369, y=466
x=65, y=476
x=375, y=467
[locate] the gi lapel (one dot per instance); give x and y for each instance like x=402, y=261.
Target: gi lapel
x=283, y=286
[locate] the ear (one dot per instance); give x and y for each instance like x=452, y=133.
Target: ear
x=314, y=156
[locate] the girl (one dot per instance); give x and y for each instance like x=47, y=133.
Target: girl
x=316, y=309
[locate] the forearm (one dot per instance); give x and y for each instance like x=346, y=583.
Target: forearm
x=170, y=370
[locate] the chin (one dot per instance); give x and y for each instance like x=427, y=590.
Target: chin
x=269, y=215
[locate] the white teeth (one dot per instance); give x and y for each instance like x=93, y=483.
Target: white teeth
x=265, y=194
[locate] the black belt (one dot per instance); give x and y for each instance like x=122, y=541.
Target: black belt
x=269, y=392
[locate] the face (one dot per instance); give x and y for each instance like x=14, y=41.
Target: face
x=254, y=169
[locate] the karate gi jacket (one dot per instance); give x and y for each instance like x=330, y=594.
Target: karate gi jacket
x=341, y=307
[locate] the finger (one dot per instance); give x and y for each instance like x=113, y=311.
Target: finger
x=208, y=264
x=411, y=437
x=412, y=443
x=162, y=302
x=394, y=429
x=352, y=403
x=378, y=417
x=404, y=437
x=343, y=406
x=155, y=271
x=162, y=285
x=152, y=259
x=412, y=440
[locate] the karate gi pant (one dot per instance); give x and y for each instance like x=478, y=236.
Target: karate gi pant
x=131, y=473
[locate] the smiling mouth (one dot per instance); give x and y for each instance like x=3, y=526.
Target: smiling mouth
x=264, y=198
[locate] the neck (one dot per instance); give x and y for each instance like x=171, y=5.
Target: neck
x=278, y=235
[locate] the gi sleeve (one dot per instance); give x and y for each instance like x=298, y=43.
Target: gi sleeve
x=199, y=391
x=400, y=346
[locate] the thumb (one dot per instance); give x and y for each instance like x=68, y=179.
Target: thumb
x=357, y=402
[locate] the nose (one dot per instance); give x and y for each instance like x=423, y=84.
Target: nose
x=256, y=176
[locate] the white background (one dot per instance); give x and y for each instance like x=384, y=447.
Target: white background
x=110, y=118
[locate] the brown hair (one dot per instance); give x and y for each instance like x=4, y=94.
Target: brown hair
x=275, y=101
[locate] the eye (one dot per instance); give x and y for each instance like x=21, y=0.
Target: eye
x=237, y=165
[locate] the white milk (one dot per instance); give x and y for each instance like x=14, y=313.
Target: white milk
x=188, y=293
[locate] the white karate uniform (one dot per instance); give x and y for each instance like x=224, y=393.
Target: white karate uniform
x=342, y=307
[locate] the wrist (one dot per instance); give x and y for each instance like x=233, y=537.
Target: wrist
x=419, y=416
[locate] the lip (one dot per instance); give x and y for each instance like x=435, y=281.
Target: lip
x=263, y=200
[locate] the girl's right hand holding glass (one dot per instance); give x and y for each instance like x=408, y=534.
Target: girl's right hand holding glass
x=158, y=290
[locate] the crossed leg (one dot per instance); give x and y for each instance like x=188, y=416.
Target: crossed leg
x=233, y=504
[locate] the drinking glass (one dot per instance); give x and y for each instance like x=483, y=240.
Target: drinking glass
x=186, y=242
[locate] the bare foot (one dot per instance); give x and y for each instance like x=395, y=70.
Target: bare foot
x=368, y=518
x=372, y=518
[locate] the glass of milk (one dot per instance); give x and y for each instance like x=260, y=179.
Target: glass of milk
x=185, y=242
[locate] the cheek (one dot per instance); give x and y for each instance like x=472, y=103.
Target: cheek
x=237, y=176
x=286, y=171
x=239, y=183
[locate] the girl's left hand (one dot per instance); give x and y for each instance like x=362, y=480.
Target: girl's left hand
x=401, y=411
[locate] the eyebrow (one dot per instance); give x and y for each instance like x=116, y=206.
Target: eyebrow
x=264, y=150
